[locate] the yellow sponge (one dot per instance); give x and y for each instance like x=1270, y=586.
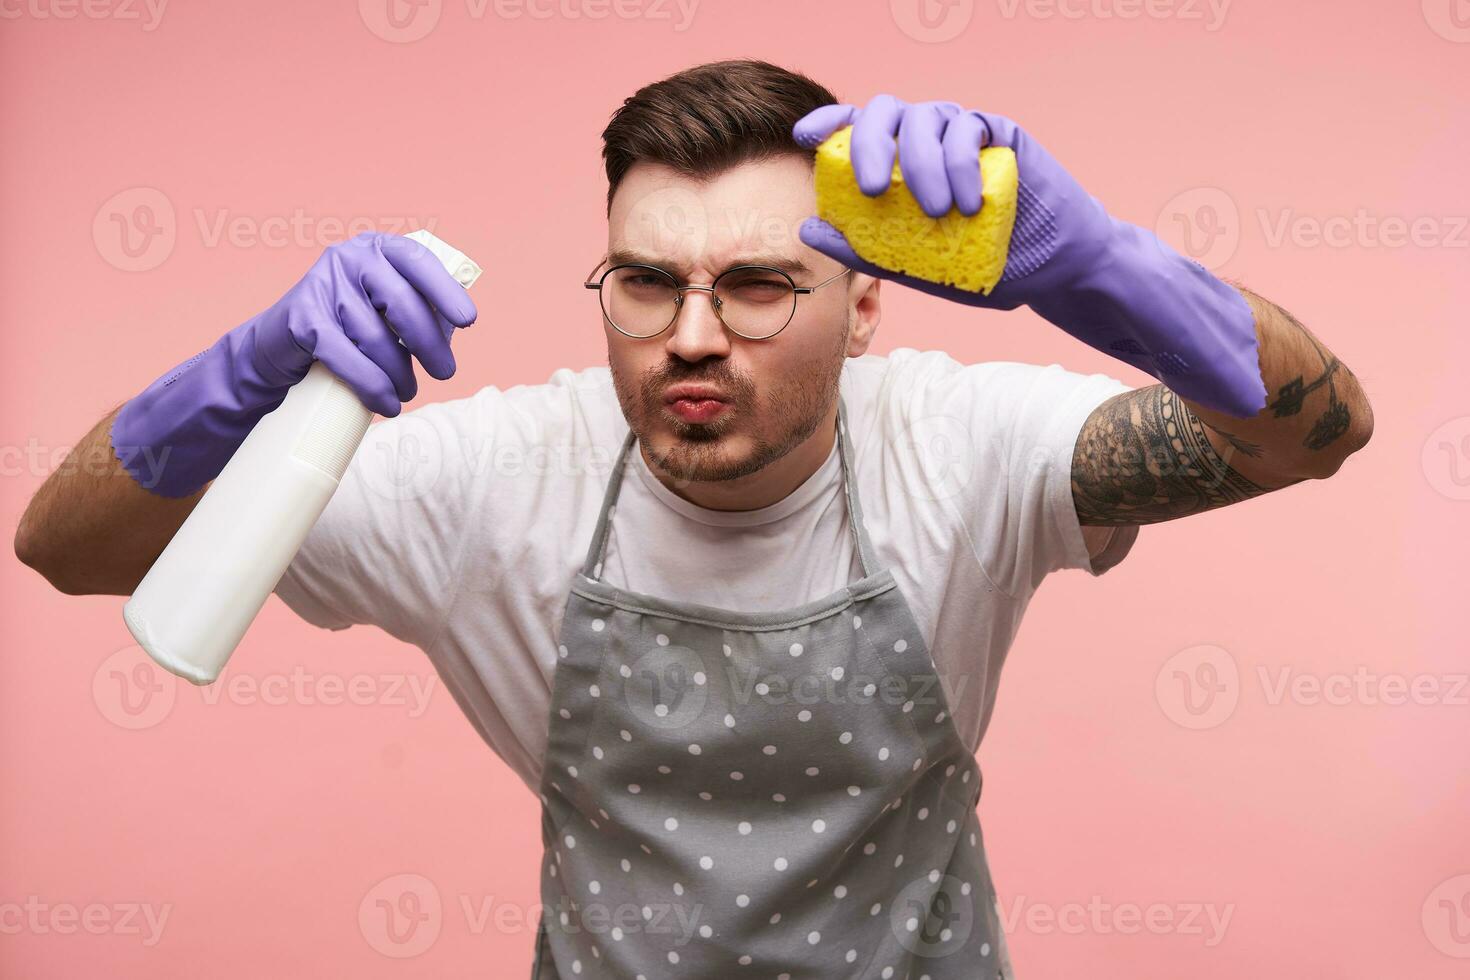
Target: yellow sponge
x=892, y=231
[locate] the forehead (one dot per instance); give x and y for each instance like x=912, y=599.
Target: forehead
x=754, y=208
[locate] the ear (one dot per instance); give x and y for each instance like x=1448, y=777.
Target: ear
x=866, y=311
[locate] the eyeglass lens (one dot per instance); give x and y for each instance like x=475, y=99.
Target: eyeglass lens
x=754, y=303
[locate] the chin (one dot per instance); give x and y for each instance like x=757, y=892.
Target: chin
x=702, y=453
x=717, y=433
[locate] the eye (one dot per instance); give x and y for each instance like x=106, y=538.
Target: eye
x=755, y=287
x=643, y=282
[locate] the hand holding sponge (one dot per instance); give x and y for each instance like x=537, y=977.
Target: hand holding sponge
x=967, y=206
x=892, y=231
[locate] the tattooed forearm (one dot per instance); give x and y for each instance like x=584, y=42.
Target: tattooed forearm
x=1143, y=457
x=1242, y=446
x=1149, y=455
x=1316, y=413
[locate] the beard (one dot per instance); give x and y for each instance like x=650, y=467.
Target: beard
x=777, y=421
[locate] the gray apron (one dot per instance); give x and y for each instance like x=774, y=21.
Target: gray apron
x=757, y=794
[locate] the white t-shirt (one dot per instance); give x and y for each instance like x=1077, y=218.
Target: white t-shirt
x=459, y=526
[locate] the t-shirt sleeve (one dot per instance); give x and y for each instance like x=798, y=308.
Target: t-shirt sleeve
x=1014, y=427
x=385, y=549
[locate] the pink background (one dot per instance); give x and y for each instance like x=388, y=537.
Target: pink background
x=1332, y=834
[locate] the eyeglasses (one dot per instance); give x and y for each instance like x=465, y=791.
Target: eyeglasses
x=755, y=302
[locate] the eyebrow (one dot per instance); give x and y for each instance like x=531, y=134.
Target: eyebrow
x=790, y=266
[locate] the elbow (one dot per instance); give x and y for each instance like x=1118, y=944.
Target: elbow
x=30, y=550
x=1362, y=429
x=27, y=548
x=1354, y=434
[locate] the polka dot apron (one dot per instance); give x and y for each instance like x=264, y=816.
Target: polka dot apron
x=766, y=795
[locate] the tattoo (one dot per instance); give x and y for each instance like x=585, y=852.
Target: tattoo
x=1144, y=457
x=1245, y=448
x=1290, y=397
x=1333, y=423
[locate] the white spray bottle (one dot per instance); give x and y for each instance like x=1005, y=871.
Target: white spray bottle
x=201, y=595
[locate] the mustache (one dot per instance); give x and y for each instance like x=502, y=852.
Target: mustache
x=737, y=386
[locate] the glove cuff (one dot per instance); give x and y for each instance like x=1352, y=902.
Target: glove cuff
x=177, y=434
x=1144, y=303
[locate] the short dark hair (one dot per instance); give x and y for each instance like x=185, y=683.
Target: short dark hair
x=704, y=120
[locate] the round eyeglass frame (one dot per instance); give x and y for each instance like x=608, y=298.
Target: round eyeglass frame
x=680, y=290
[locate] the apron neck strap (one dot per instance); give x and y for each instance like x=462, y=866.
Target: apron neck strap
x=856, y=524
x=867, y=559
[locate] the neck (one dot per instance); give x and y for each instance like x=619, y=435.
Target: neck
x=772, y=483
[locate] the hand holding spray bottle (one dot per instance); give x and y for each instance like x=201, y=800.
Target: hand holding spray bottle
x=273, y=413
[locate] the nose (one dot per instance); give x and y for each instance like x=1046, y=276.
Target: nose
x=697, y=332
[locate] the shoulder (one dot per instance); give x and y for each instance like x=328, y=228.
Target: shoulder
x=982, y=451
x=574, y=411
x=571, y=405
x=908, y=387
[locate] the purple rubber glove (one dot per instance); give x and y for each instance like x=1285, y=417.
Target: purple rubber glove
x=1110, y=284
x=178, y=433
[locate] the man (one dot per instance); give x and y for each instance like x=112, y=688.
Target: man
x=746, y=667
